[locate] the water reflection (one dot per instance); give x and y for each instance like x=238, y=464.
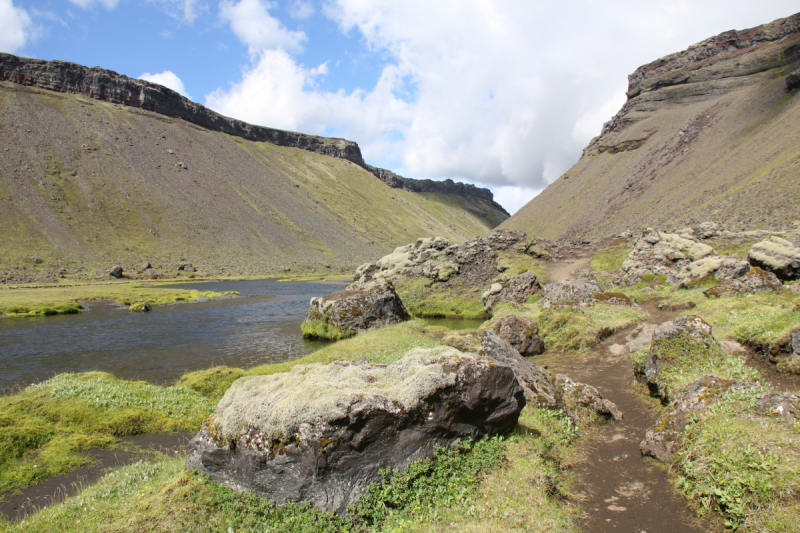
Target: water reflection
x=170, y=340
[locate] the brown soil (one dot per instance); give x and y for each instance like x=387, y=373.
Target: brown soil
x=19, y=504
x=559, y=271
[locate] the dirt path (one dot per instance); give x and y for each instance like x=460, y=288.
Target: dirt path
x=621, y=490
x=561, y=270
x=19, y=504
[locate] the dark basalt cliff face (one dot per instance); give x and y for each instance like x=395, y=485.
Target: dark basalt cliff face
x=109, y=86
x=709, y=133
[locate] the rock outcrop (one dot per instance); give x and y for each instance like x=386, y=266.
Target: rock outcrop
x=322, y=433
x=723, y=268
x=516, y=289
x=755, y=280
x=522, y=334
x=657, y=162
x=588, y=396
x=539, y=388
x=361, y=307
x=684, y=336
x=778, y=256
x=662, y=255
x=102, y=84
x=580, y=291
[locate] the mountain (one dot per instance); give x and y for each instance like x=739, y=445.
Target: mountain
x=98, y=169
x=709, y=133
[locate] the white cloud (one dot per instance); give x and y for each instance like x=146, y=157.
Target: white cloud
x=513, y=198
x=255, y=27
x=88, y=4
x=15, y=27
x=301, y=9
x=167, y=79
x=503, y=93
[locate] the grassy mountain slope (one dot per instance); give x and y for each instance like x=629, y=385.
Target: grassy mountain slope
x=88, y=184
x=711, y=133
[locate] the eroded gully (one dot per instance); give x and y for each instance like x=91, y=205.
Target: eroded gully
x=620, y=490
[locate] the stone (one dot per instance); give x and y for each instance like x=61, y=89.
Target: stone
x=145, y=265
x=116, y=272
x=360, y=307
x=698, y=337
x=152, y=274
x=588, y=396
x=571, y=290
x=778, y=256
x=322, y=433
x=140, y=307
x=516, y=290
x=189, y=268
x=662, y=438
x=723, y=268
x=539, y=388
x=658, y=254
x=522, y=334
x=796, y=343
x=465, y=341
x=755, y=280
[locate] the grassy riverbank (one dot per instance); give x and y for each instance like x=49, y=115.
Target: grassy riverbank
x=67, y=298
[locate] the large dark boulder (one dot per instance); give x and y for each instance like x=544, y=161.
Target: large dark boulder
x=588, y=396
x=522, y=334
x=755, y=280
x=116, y=272
x=536, y=383
x=360, y=307
x=322, y=433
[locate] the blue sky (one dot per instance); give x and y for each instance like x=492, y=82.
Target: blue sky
x=501, y=93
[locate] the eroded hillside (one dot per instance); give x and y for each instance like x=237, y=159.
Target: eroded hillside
x=86, y=184
x=712, y=132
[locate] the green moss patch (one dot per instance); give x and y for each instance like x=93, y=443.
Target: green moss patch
x=424, y=299
x=43, y=427
x=611, y=257
x=211, y=383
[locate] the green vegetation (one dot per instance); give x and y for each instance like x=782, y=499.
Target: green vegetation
x=211, y=383
x=516, y=263
x=742, y=465
x=43, y=427
x=573, y=328
x=322, y=329
x=22, y=301
x=466, y=488
x=425, y=299
x=611, y=257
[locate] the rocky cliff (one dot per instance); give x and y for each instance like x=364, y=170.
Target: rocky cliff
x=707, y=133
x=107, y=85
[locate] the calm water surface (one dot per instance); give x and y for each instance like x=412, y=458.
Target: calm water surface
x=163, y=344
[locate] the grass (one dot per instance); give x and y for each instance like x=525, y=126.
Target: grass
x=515, y=263
x=611, y=257
x=498, y=484
x=573, y=328
x=212, y=382
x=765, y=320
x=22, y=301
x=45, y=426
x=424, y=299
x=321, y=328
x=742, y=465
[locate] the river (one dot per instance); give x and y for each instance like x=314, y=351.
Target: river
x=167, y=342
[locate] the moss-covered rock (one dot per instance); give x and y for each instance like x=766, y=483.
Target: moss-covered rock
x=324, y=432
x=777, y=255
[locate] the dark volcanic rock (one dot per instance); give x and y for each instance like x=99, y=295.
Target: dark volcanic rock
x=571, y=290
x=516, y=290
x=116, y=272
x=536, y=383
x=360, y=307
x=322, y=433
x=522, y=334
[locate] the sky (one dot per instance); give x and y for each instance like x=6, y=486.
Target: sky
x=503, y=94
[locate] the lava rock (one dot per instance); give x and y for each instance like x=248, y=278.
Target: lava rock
x=517, y=289
x=360, y=307
x=778, y=256
x=755, y=280
x=323, y=433
x=116, y=272
x=692, y=331
x=140, y=308
x=538, y=386
x=522, y=334
x=571, y=290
